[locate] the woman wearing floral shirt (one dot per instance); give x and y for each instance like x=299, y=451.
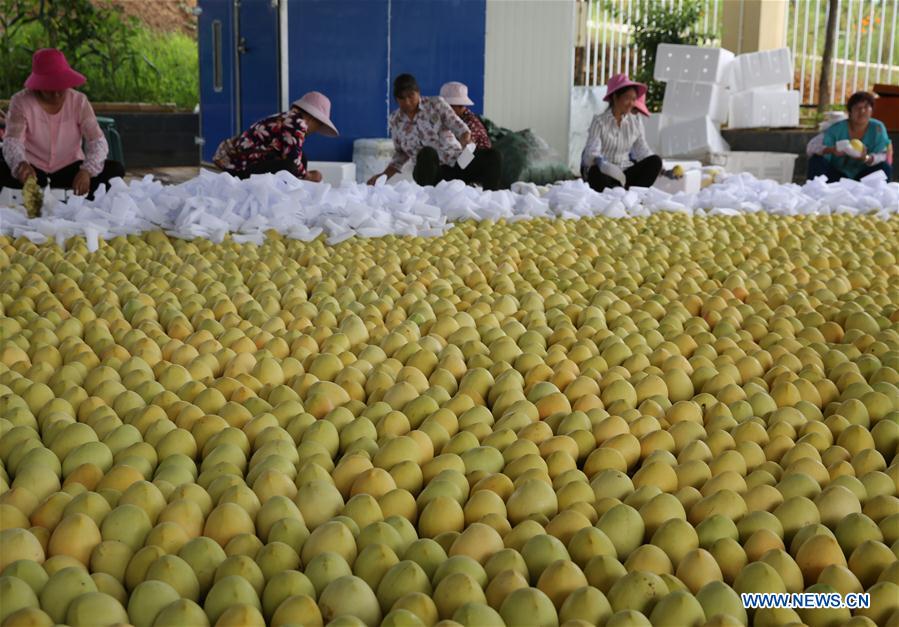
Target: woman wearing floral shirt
x=456, y=96
x=276, y=143
x=426, y=131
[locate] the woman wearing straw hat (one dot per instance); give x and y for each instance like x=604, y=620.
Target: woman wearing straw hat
x=615, y=137
x=47, y=124
x=275, y=143
x=456, y=96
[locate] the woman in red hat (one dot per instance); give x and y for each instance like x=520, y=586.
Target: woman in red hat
x=616, y=153
x=47, y=124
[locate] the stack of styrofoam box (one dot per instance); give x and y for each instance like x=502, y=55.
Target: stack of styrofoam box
x=696, y=100
x=759, y=96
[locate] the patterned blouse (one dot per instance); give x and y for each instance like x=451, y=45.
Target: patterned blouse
x=616, y=144
x=278, y=136
x=478, y=132
x=435, y=125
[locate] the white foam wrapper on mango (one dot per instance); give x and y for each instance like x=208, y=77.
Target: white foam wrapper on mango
x=845, y=146
x=466, y=157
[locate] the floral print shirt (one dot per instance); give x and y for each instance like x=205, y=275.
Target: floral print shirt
x=278, y=136
x=435, y=125
x=478, y=132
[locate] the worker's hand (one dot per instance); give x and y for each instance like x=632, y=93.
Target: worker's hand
x=81, y=184
x=314, y=175
x=465, y=139
x=25, y=172
x=375, y=178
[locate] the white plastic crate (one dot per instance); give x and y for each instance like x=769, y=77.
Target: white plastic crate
x=371, y=156
x=691, y=138
x=677, y=62
x=777, y=166
x=334, y=172
x=652, y=127
x=764, y=108
x=687, y=100
x=761, y=69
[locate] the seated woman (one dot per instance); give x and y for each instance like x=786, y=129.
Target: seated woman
x=834, y=163
x=427, y=131
x=456, y=96
x=614, y=137
x=45, y=127
x=276, y=143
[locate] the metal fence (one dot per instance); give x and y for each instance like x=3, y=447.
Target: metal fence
x=604, y=45
x=865, y=49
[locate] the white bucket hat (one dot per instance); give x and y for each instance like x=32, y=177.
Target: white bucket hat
x=318, y=106
x=455, y=93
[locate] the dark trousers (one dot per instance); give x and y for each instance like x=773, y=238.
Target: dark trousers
x=63, y=177
x=818, y=165
x=485, y=169
x=642, y=174
x=268, y=167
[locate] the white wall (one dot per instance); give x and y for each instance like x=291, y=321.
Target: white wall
x=529, y=67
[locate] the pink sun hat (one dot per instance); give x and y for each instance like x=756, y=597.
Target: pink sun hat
x=455, y=93
x=318, y=106
x=51, y=72
x=640, y=105
x=621, y=81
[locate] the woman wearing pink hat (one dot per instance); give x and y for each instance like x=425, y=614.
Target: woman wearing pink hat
x=615, y=137
x=456, y=96
x=47, y=123
x=276, y=143
x=428, y=132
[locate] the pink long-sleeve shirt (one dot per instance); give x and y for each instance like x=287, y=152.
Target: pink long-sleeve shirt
x=51, y=142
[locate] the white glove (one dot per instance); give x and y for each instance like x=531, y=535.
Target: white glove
x=610, y=169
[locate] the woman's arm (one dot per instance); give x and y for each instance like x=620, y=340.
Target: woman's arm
x=592, y=153
x=14, y=142
x=95, y=147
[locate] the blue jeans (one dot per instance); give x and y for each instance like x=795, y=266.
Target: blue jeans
x=818, y=165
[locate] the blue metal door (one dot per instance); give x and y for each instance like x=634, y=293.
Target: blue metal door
x=218, y=96
x=258, y=60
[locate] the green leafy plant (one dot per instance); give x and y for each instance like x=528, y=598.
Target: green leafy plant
x=665, y=24
x=122, y=60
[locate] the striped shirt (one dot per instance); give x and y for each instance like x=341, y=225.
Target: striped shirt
x=616, y=144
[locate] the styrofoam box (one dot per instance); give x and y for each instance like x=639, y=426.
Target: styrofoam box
x=677, y=62
x=763, y=108
x=761, y=69
x=691, y=138
x=690, y=183
x=777, y=166
x=371, y=156
x=334, y=172
x=652, y=127
x=685, y=100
